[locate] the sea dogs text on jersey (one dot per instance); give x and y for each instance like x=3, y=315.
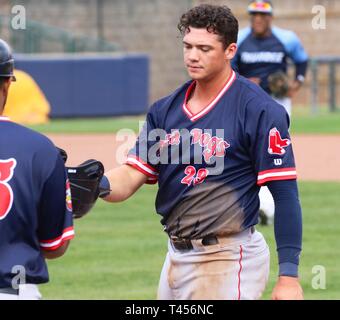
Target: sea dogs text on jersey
x=206, y=144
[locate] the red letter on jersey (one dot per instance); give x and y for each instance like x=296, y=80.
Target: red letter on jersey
x=276, y=143
x=6, y=192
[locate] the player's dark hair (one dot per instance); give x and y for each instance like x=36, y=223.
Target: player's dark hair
x=216, y=19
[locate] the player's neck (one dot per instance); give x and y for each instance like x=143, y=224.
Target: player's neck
x=208, y=89
x=265, y=34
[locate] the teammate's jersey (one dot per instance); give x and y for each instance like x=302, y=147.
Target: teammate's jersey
x=260, y=57
x=243, y=129
x=35, y=207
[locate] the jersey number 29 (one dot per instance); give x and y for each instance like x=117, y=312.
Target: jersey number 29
x=6, y=192
x=192, y=177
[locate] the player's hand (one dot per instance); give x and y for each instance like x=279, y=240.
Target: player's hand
x=293, y=89
x=287, y=288
x=255, y=80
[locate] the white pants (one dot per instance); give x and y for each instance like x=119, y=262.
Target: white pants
x=267, y=205
x=286, y=102
x=235, y=269
x=26, y=292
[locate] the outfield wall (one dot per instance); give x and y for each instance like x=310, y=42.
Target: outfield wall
x=91, y=86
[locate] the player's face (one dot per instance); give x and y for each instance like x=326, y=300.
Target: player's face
x=204, y=54
x=260, y=23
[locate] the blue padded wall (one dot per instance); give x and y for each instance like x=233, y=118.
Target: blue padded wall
x=91, y=86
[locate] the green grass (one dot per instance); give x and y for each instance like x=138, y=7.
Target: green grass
x=119, y=249
x=323, y=122
x=320, y=204
x=302, y=122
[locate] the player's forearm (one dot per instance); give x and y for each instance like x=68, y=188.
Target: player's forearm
x=300, y=71
x=124, y=182
x=288, y=225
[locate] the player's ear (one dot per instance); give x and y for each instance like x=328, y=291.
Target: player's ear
x=230, y=51
x=5, y=86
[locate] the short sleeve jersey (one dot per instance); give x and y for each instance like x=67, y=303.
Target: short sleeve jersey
x=209, y=166
x=35, y=208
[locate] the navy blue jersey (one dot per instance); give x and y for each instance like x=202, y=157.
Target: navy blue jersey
x=210, y=166
x=35, y=208
x=260, y=57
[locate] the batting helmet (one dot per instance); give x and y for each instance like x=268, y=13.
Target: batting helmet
x=260, y=6
x=6, y=61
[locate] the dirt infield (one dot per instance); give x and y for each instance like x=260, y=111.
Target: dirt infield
x=317, y=156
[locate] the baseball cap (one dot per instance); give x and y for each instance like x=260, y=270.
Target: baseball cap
x=260, y=7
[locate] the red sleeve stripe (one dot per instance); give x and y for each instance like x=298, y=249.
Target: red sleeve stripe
x=276, y=174
x=54, y=244
x=262, y=182
x=142, y=166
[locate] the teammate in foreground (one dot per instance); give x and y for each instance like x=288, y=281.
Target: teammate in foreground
x=263, y=51
x=36, y=221
x=210, y=145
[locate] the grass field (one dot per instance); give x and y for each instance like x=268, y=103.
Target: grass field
x=302, y=122
x=119, y=249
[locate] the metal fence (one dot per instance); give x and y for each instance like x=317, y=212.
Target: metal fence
x=42, y=38
x=332, y=63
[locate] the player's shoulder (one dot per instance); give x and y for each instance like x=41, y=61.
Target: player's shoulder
x=250, y=90
x=27, y=138
x=243, y=34
x=286, y=36
x=256, y=101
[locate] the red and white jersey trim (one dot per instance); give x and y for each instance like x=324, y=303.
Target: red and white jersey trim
x=54, y=244
x=144, y=168
x=194, y=117
x=276, y=174
x=3, y=118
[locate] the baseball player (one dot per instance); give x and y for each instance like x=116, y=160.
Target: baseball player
x=263, y=51
x=36, y=221
x=210, y=145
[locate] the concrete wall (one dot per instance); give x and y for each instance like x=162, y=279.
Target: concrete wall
x=149, y=26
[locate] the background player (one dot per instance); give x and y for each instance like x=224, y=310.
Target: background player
x=35, y=210
x=264, y=49
x=214, y=250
